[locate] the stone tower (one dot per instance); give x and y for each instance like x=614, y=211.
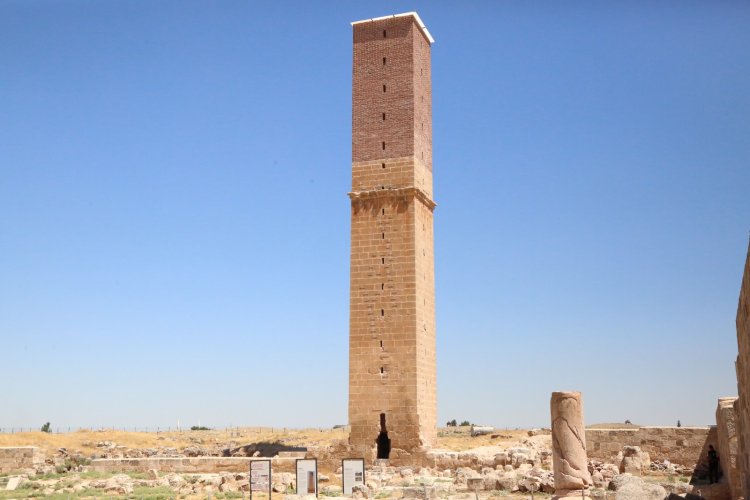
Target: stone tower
x=392, y=400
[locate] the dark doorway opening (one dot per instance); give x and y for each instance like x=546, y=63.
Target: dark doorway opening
x=383, y=441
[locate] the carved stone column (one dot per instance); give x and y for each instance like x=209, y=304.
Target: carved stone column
x=569, y=459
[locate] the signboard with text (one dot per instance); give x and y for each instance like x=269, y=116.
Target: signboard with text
x=260, y=477
x=353, y=473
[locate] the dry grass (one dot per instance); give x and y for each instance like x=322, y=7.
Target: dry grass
x=459, y=439
x=85, y=441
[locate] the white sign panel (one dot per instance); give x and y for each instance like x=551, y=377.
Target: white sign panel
x=354, y=473
x=260, y=476
x=307, y=476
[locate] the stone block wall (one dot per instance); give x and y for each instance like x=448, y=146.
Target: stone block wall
x=188, y=464
x=742, y=368
x=680, y=445
x=14, y=459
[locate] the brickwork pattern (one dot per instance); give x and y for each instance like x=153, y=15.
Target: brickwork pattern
x=742, y=368
x=680, y=445
x=392, y=299
x=20, y=458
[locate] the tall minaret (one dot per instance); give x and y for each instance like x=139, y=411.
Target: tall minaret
x=392, y=400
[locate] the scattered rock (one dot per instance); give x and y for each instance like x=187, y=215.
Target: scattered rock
x=360, y=491
x=332, y=490
x=634, y=461
x=629, y=487
x=14, y=483
x=481, y=430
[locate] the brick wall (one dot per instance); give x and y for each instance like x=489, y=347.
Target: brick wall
x=392, y=299
x=19, y=458
x=680, y=445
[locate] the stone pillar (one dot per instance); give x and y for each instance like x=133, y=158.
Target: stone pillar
x=569, y=460
x=726, y=427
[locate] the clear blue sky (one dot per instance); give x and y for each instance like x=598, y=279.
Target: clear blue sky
x=174, y=229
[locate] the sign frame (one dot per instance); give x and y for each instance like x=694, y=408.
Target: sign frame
x=315, y=479
x=343, y=474
x=270, y=474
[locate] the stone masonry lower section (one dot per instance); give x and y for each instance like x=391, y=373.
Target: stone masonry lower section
x=188, y=465
x=680, y=445
x=14, y=459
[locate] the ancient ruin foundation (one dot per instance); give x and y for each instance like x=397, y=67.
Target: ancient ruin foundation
x=569, y=460
x=392, y=400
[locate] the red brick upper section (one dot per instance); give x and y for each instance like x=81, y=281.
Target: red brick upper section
x=391, y=97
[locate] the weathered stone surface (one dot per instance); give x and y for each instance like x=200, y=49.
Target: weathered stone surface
x=538, y=479
x=726, y=427
x=14, y=483
x=742, y=367
x=680, y=445
x=629, y=487
x=19, y=458
x=569, y=459
x=634, y=461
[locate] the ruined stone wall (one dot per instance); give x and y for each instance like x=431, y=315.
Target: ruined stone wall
x=743, y=380
x=19, y=458
x=680, y=445
x=188, y=464
x=392, y=305
x=726, y=427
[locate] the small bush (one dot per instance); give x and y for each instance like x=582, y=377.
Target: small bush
x=199, y=428
x=46, y=427
x=465, y=423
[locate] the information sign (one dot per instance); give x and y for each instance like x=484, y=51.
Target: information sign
x=260, y=477
x=353, y=473
x=307, y=476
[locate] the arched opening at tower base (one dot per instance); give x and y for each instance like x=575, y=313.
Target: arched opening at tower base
x=383, y=441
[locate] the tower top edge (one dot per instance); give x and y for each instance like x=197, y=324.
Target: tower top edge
x=413, y=15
